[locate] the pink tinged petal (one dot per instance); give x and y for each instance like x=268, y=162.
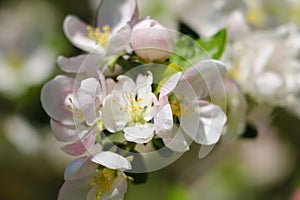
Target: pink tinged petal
x=176, y=141
x=75, y=189
x=78, y=175
x=163, y=120
x=73, y=167
x=79, y=64
x=111, y=160
x=54, y=97
x=66, y=133
x=83, y=145
x=205, y=76
x=212, y=120
x=119, y=40
x=140, y=133
x=169, y=85
x=114, y=116
x=152, y=41
x=89, y=99
x=117, y=14
x=76, y=32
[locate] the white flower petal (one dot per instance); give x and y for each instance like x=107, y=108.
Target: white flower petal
x=54, y=98
x=169, y=85
x=204, y=76
x=119, y=40
x=163, y=120
x=76, y=32
x=111, y=160
x=74, y=189
x=88, y=96
x=116, y=13
x=113, y=114
x=73, y=167
x=65, y=133
x=83, y=145
x=140, y=133
x=212, y=120
x=79, y=64
x=176, y=141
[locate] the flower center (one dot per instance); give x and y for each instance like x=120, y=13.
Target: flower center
x=180, y=107
x=103, y=180
x=134, y=107
x=98, y=35
x=15, y=61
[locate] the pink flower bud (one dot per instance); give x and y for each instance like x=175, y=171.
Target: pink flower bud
x=152, y=41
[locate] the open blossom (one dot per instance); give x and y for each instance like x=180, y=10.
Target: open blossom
x=22, y=50
x=152, y=41
x=111, y=34
x=200, y=120
x=100, y=177
x=206, y=21
x=266, y=64
x=131, y=108
x=74, y=109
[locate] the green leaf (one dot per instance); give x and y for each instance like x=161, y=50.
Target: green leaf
x=215, y=45
x=189, y=52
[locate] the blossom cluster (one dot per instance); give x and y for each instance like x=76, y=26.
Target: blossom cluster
x=124, y=95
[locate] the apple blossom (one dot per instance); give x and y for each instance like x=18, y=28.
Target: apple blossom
x=110, y=35
x=131, y=108
x=95, y=178
x=266, y=65
x=152, y=41
x=200, y=120
x=23, y=50
x=74, y=109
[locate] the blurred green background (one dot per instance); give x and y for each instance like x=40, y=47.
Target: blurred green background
x=32, y=164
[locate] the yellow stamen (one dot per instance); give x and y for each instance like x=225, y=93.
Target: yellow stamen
x=103, y=180
x=100, y=37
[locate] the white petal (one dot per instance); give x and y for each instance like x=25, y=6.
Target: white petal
x=116, y=13
x=119, y=40
x=114, y=116
x=212, y=120
x=82, y=145
x=73, y=167
x=111, y=160
x=268, y=84
x=54, y=98
x=89, y=99
x=79, y=64
x=176, y=141
x=169, y=85
x=205, y=150
x=163, y=120
x=76, y=32
x=74, y=189
x=65, y=133
x=140, y=133
x=205, y=76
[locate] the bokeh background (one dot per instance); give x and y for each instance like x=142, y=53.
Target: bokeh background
x=32, y=164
